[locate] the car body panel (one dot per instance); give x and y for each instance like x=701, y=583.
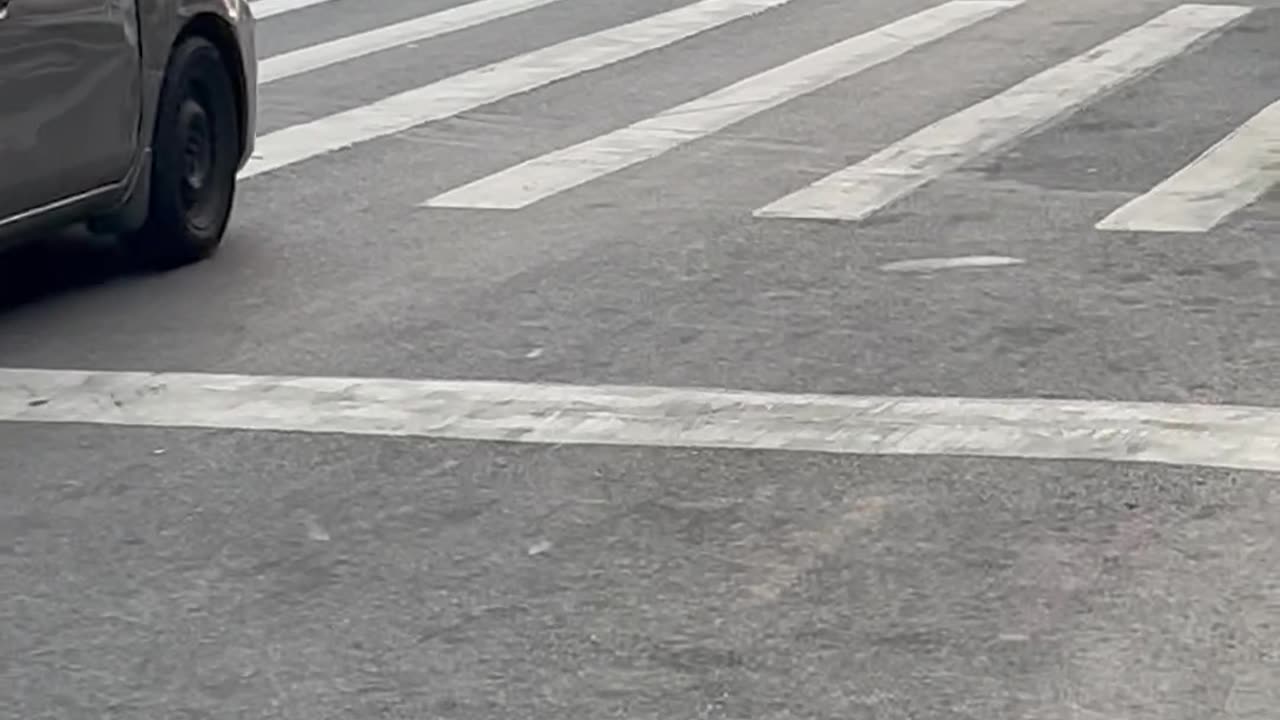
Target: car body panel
x=70, y=76
x=152, y=28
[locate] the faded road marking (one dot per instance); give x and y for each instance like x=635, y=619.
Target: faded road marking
x=924, y=265
x=777, y=568
x=1209, y=435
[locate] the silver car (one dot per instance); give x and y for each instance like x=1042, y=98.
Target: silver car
x=131, y=115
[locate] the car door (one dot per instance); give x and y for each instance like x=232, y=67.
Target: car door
x=70, y=98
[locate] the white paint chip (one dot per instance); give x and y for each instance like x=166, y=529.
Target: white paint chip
x=1209, y=435
x=476, y=88
x=1231, y=175
x=529, y=182
x=410, y=31
x=315, y=531
x=925, y=265
x=860, y=190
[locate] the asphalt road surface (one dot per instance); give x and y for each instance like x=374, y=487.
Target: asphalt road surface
x=678, y=359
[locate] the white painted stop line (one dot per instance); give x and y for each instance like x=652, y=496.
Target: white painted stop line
x=1208, y=435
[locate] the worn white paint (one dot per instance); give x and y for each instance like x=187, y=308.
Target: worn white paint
x=1218, y=436
x=924, y=265
x=1228, y=177
x=267, y=8
x=542, y=177
x=860, y=190
x=350, y=47
x=488, y=84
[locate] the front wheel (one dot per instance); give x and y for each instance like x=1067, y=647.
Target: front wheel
x=195, y=153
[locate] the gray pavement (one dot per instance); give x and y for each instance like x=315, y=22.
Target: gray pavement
x=183, y=573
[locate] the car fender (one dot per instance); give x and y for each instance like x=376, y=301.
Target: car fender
x=163, y=22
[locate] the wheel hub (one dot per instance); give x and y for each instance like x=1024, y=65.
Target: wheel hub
x=197, y=147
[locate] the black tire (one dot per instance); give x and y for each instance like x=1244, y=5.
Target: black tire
x=195, y=155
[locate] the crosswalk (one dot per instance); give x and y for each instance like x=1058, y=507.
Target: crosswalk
x=270, y=8
x=417, y=29
x=556, y=172
x=1230, y=175
x=1226, y=178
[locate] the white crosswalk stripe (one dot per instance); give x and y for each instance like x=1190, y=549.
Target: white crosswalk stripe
x=860, y=190
x=314, y=57
x=1231, y=175
x=485, y=85
x=268, y=8
x=545, y=176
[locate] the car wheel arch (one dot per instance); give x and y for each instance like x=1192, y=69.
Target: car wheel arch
x=219, y=32
x=132, y=212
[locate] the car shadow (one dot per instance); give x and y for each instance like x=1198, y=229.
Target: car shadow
x=59, y=264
